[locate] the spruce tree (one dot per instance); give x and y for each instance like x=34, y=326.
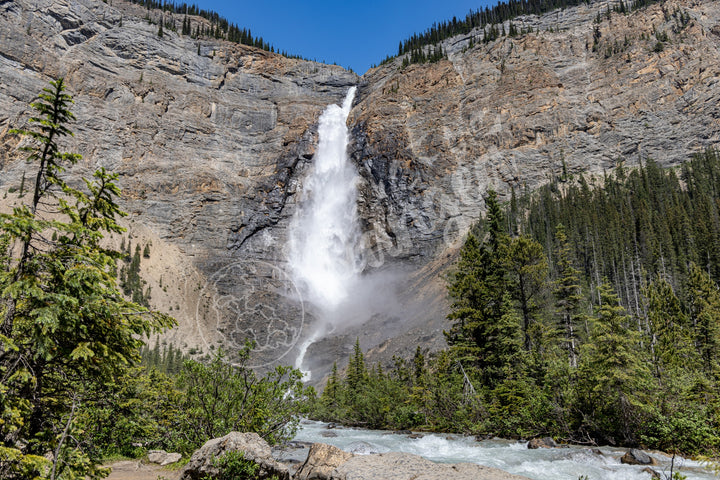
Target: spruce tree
x=672, y=343
x=357, y=372
x=480, y=308
x=567, y=295
x=704, y=310
x=66, y=328
x=528, y=271
x=614, y=378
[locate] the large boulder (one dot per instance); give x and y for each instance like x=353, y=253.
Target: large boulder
x=545, y=442
x=637, y=457
x=204, y=462
x=406, y=466
x=322, y=460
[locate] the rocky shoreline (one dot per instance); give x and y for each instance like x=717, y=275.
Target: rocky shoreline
x=326, y=462
x=302, y=460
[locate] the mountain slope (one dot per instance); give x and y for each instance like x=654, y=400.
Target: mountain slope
x=212, y=141
x=574, y=96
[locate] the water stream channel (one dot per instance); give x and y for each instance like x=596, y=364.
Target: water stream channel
x=542, y=464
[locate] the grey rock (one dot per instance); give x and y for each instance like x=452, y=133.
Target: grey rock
x=321, y=462
x=365, y=448
x=212, y=148
x=157, y=456
x=545, y=442
x=204, y=461
x=429, y=140
x=637, y=457
x=171, y=458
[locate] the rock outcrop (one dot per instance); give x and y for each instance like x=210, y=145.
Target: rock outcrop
x=326, y=462
x=321, y=462
x=204, y=462
x=212, y=141
x=573, y=96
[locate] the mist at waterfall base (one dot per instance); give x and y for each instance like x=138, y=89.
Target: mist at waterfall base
x=325, y=243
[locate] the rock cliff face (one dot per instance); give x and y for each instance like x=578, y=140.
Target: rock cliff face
x=575, y=96
x=513, y=113
x=212, y=141
x=209, y=138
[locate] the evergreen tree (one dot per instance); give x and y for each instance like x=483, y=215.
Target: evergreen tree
x=357, y=372
x=672, y=343
x=567, y=294
x=528, y=270
x=418, y=366
x=614, y=380
x=66, y=331
x=704, y=311
x=330, y=395
x=481, y=312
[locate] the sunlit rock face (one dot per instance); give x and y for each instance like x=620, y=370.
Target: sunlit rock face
x=213, y=140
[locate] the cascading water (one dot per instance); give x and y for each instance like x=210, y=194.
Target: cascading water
x=540, y=464
x=324, y=234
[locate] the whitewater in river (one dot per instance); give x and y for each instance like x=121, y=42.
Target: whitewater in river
x=542, y=464
x=324, y=234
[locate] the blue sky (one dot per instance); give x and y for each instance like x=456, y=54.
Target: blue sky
x=353, y=34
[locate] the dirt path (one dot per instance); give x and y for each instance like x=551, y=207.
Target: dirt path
x=136, y=470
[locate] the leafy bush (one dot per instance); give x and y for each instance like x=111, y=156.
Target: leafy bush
x=687, y=432
x=153, y=410
x=234, y=466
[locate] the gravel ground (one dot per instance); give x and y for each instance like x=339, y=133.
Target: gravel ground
x=136, y=470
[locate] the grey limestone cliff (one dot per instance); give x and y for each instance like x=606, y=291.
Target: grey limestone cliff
x=212, y=139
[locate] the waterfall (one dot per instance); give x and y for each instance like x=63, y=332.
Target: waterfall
x=324, y=234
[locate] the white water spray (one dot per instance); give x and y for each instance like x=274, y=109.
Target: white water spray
x=324, y=234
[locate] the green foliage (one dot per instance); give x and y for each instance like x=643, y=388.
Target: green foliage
x=220, y=397
x=151, y=409
x=592, y=322
x=568, y=295
x=130, y=280
x=681, y=431
x=139, y=413
x=67, y=331
x=233, y=466
x=614, y=380
x=485, y=331
x=703, y=304
x=528, y=271
x=19, y=466
x=166, y=359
